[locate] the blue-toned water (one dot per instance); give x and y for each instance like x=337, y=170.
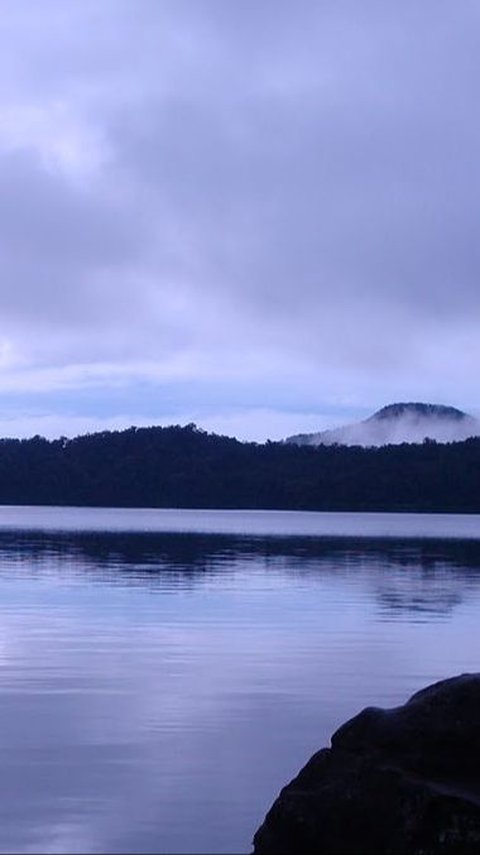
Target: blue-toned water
x=164, y=673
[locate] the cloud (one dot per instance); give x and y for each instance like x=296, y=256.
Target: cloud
x=220, y=186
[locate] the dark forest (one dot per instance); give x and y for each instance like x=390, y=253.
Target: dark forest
x=186, y=467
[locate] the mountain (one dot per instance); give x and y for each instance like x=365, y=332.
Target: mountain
x=397, y=423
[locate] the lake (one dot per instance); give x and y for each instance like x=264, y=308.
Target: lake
x=165, y=673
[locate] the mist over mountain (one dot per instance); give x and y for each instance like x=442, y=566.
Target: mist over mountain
x=398, y=423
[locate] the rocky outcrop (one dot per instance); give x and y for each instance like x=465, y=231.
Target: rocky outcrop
x=400, y=781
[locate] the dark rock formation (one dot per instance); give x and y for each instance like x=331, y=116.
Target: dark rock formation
x=405, y=780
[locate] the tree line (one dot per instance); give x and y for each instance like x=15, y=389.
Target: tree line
x=189, y=468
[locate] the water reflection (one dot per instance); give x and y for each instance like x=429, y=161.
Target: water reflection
x=406, y=576
x=157, y=688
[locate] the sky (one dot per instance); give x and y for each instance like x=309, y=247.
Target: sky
x=256, y=215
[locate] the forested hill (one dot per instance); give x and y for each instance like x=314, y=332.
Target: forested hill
x=186, y=467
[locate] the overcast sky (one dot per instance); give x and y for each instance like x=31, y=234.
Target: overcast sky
x=261, y=216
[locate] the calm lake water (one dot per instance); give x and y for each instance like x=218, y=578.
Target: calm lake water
x=165, y=673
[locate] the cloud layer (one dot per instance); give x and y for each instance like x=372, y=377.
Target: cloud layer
x=274, y=207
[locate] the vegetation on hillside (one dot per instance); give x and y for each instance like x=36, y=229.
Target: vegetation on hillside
x=186, y=467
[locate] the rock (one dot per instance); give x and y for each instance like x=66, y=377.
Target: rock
x=404, y=781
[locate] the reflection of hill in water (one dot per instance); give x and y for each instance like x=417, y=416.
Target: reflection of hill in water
x=420, y=593
x=408, y=577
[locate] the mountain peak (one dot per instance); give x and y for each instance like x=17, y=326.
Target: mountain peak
x=399, y=423
x=395, y=411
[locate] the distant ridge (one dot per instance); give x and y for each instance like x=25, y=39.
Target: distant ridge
x=398, y=423
x=186, y=467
